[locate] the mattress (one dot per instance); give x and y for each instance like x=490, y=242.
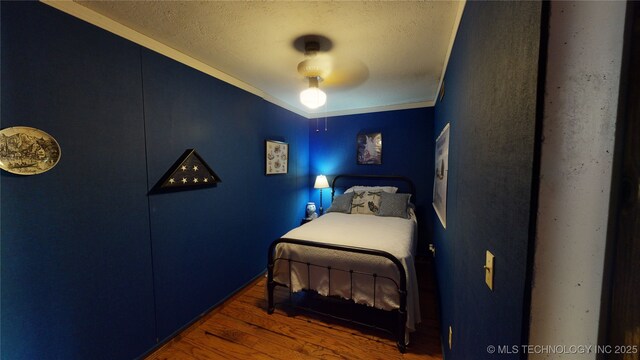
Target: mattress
x=394, y=235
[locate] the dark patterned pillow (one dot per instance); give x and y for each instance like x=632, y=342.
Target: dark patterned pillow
x=394, y=205
x=366, y=202
x=341, y=203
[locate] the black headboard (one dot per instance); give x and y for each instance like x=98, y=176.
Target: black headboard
x=375, y=180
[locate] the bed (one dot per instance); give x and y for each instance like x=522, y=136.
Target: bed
x=363, y=256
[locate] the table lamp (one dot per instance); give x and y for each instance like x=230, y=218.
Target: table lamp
x=321, y=183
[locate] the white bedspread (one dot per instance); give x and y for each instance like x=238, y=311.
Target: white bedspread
x=394, y=235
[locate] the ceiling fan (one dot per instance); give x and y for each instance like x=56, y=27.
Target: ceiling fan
x=315, y=67
x=320, y=66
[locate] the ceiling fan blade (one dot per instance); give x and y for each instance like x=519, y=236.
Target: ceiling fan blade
x=346, y=74
x=335, y=72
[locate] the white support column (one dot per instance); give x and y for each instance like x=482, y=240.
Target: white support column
x=581, y=99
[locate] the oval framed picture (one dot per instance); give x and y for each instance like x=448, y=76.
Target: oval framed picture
x=27, y=151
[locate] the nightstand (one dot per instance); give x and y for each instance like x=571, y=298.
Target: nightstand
x=304, y=221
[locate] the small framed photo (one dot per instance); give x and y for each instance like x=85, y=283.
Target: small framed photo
x=276, y=157
x=369, y=149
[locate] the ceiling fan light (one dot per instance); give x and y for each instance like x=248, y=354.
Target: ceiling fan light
x=313, y=97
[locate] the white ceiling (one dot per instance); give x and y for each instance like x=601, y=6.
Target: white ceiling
x=384, y=55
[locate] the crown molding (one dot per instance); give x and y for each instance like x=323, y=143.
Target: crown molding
x=456, y=26
x=406, y=106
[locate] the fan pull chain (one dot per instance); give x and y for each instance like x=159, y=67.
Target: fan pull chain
x=325, y=117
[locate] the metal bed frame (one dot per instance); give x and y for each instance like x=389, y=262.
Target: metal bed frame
x=401, y=312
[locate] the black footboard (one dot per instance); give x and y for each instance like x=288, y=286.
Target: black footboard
x=401, y=286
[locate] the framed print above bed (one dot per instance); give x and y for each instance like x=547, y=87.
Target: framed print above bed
x=440, y=176
x=276, y=157
x=369, y=149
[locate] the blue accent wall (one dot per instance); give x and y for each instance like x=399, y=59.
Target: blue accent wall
x=490, y=101
x=208, y=243
x=91, y=265
x=407, y=149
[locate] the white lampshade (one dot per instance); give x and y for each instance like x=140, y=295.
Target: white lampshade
x=321, y=182
x=313, y=98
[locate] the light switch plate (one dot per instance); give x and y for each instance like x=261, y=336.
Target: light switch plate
x=488, y=270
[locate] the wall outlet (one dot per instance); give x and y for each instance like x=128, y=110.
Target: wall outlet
x=488, y=269
x=450, y=336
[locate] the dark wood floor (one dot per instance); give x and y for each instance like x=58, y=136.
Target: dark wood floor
x=241, y=329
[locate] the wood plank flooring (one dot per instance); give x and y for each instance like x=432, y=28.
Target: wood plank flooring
x=242, y=329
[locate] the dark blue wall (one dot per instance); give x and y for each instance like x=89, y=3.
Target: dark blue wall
x=407, y=149
x=91, y=266
x=75, y=262
x=490, y=101
x=197, y=234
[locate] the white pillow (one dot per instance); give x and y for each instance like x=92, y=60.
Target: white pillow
x=388, y=189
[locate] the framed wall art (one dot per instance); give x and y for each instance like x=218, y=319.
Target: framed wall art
x=440, y=176
x=276, y=157
x=369, y=149
x=27, y=151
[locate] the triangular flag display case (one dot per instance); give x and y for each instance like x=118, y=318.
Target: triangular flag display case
x=190, y=172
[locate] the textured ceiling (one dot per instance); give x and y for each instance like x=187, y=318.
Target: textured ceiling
x=383, y=55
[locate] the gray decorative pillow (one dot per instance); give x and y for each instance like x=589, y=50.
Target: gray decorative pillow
x=341, y=203
x=394, y=205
